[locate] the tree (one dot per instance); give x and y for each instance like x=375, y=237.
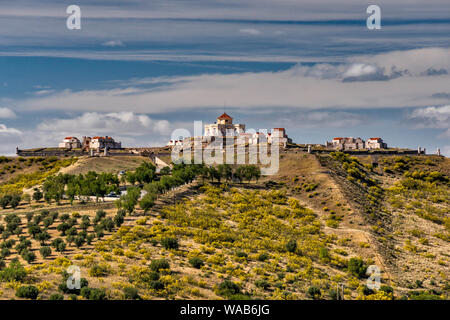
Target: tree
x=28, y=256
x=165, y=171
x=213, y=174
x=145, y=173
x=15, y=200
x=147, y=202
x=239, y=173
x=4, y=201
x=45, y=251
x=37, y=195
x=43, y=236
x=59, y=245
x=14, y=272
x=119, y=218
x=131, y=177
x=27, y=198
x=130, y=199
x=225, y=171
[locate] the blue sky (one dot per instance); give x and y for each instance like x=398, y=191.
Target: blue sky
x=137, y=70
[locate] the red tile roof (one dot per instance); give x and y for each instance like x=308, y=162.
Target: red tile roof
x=225, y=116
x=338, y=138
x=375, y=139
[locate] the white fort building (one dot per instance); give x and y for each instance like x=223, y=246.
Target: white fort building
x=225, y=128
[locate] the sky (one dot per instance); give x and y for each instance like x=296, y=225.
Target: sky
x=137, y=70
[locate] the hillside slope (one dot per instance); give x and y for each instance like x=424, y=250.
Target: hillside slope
x=303, y=233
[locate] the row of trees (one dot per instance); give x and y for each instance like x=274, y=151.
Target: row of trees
x=227, y=172
x=12, y=200
x=82, y=185
x=99, y=185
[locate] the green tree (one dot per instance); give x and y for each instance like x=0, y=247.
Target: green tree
x=37, y=195
x=147, y=202
x=45, y=251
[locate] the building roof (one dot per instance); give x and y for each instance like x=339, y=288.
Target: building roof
x=68, y=138
x=375, y=139
x=338, y=138
x=225, y=116
x=278, y=129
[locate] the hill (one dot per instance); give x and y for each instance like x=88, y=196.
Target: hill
x=303, y=233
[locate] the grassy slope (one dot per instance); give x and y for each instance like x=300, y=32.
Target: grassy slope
x=318, y=184
x=109, y=164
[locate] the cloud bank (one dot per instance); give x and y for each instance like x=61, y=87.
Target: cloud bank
x=395, y=79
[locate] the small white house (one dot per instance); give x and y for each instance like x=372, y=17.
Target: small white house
x=70, y=143
x=375, y=143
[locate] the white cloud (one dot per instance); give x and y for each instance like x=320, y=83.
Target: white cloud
x=250, y=31
x=374, y=84
x=114, y=123
x=5, y=130
x=9, y=139
x=113, y=43
x=7, y=113
x=431, y=117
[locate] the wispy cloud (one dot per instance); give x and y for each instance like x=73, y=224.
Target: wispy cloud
x=113, y=43
x=298, y=87
x=253, y=32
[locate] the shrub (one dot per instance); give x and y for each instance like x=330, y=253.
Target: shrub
x=228, y=288
x=27, y=292
x=170, y=243
x=241, y=254
x=263, y=284
x=314, y=293
x=97, y=294
x=196, y=262
x=387, y=289
x=357, y=267
x=56, y=296
x=99, y=270
x=131, y=293
x=93, y=293
x=156, y=285
x=159, y=264
x=14, y=272
x=291, y=246
x=263, y=257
